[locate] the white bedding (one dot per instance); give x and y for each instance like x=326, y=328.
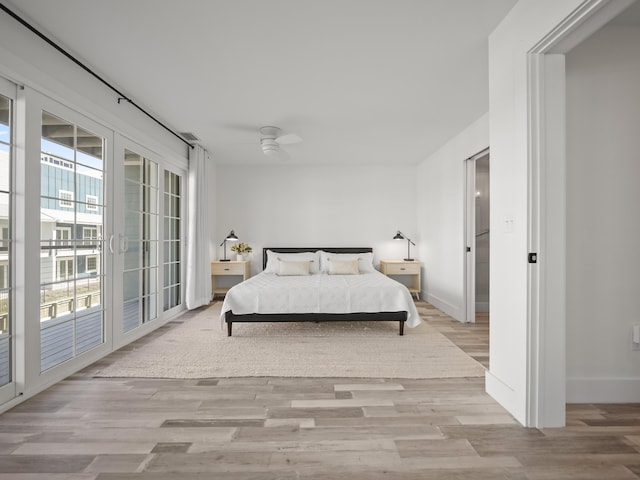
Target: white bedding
x=321, y=293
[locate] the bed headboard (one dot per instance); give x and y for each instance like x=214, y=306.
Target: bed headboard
x=312, y=249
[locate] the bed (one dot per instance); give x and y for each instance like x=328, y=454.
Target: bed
x=325, y=293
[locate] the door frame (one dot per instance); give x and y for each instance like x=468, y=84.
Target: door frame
x=546, y=282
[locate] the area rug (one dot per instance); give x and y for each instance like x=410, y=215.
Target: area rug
x=197, y=346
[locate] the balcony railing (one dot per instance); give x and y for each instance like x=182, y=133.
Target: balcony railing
x=68, y=305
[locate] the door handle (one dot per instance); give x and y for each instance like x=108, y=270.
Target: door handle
x=124, y=243
x=111, y=244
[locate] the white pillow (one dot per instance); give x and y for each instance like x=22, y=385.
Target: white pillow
x=294, y=268
x=274, y=258
x=343, y=267
x=365, y=260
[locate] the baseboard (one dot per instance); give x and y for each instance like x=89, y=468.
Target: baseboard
x=504, y=395
x=446, y=307
x=603, y=390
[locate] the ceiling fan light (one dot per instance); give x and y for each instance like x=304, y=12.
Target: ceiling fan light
x=270, y=150
x=269, y=147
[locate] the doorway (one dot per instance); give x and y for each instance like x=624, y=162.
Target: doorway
x=477, y=236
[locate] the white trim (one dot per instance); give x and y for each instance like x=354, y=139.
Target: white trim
x=454, y=311
x=546, y=299
x=546, y=279
x=503, y=394
x=589, y=17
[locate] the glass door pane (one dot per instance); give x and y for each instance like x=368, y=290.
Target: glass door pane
x=139, y=243
x=6, y=320
x=72, y=209
x=172, y=294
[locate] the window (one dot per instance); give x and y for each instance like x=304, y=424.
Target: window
x=92, y=203
x=63, y=235
x=4, y=275
x=89, y=235
x=92, y=264
x=6, y=223
x=66, y=199
x=64, y=269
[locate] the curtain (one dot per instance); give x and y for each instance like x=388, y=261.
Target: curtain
x=198, y=282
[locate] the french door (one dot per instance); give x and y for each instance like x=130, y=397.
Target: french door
x=7, y=317
x=91, y=231
x=72, y=202
x=136, y=242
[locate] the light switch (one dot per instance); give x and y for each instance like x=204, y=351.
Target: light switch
x=509, y=224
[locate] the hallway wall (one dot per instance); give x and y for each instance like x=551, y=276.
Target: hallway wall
x=603, y=225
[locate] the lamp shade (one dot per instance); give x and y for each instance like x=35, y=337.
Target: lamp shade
x=398, y=236
x=232, y=237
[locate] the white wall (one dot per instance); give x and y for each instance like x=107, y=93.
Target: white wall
x=26, y=59
x=440, y=217
x=286, y=205
x=603, y=225
x=525, y=25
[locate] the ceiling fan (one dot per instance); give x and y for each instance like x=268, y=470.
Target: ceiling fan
x=271, y=140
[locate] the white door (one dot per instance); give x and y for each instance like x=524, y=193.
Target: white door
x=74, y=294
x=7, y=316
x=137, y=255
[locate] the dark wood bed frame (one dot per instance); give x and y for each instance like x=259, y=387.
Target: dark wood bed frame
x=399, y=317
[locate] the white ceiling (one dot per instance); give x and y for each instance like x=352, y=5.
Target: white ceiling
x=361, y=81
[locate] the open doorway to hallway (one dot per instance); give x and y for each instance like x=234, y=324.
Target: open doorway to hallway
x=477, y=237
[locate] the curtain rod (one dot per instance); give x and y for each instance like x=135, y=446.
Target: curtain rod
x=121, y=97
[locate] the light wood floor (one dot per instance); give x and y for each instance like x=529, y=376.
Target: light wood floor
x=284, y=428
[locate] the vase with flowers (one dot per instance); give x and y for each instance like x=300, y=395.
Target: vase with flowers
x=242, y=251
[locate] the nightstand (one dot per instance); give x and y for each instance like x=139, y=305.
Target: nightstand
x=218, y=268
x=401, y=267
